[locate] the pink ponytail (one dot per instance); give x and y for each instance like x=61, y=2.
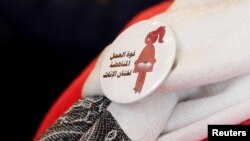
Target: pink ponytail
x=161, y=33
x=154, y=35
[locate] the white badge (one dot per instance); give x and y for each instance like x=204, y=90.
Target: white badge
x=137, y=62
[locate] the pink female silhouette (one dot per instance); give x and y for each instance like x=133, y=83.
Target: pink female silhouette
x=146, y=60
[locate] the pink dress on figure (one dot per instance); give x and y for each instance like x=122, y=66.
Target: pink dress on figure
x=146, y=60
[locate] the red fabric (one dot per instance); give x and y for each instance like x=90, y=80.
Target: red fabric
x=247, y=122
x=73, y=92
x=68, y=97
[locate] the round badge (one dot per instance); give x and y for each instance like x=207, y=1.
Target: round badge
x=137, y=62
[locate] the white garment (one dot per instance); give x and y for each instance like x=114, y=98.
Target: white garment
x=145, y=119
x=211, y=79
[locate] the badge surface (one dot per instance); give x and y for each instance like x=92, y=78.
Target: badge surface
x=137, y=62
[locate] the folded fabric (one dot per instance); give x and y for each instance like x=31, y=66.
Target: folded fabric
x=208, y=85
x=210, y=79
x=95, y=118
x=209, y=50
x=198, y=130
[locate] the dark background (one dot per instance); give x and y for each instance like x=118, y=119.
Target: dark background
x=44, y=45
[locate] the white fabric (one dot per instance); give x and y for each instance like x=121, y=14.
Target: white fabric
x=222, y=103
x=145, y=119
x=198, y=130
x=92, y=85
x=215, y=97
x=208, y=49
x=211, y=79
x=213, y=44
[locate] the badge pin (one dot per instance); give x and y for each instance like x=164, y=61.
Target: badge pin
x=137, y=62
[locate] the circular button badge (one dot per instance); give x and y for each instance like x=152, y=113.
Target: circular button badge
x=137, y=62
